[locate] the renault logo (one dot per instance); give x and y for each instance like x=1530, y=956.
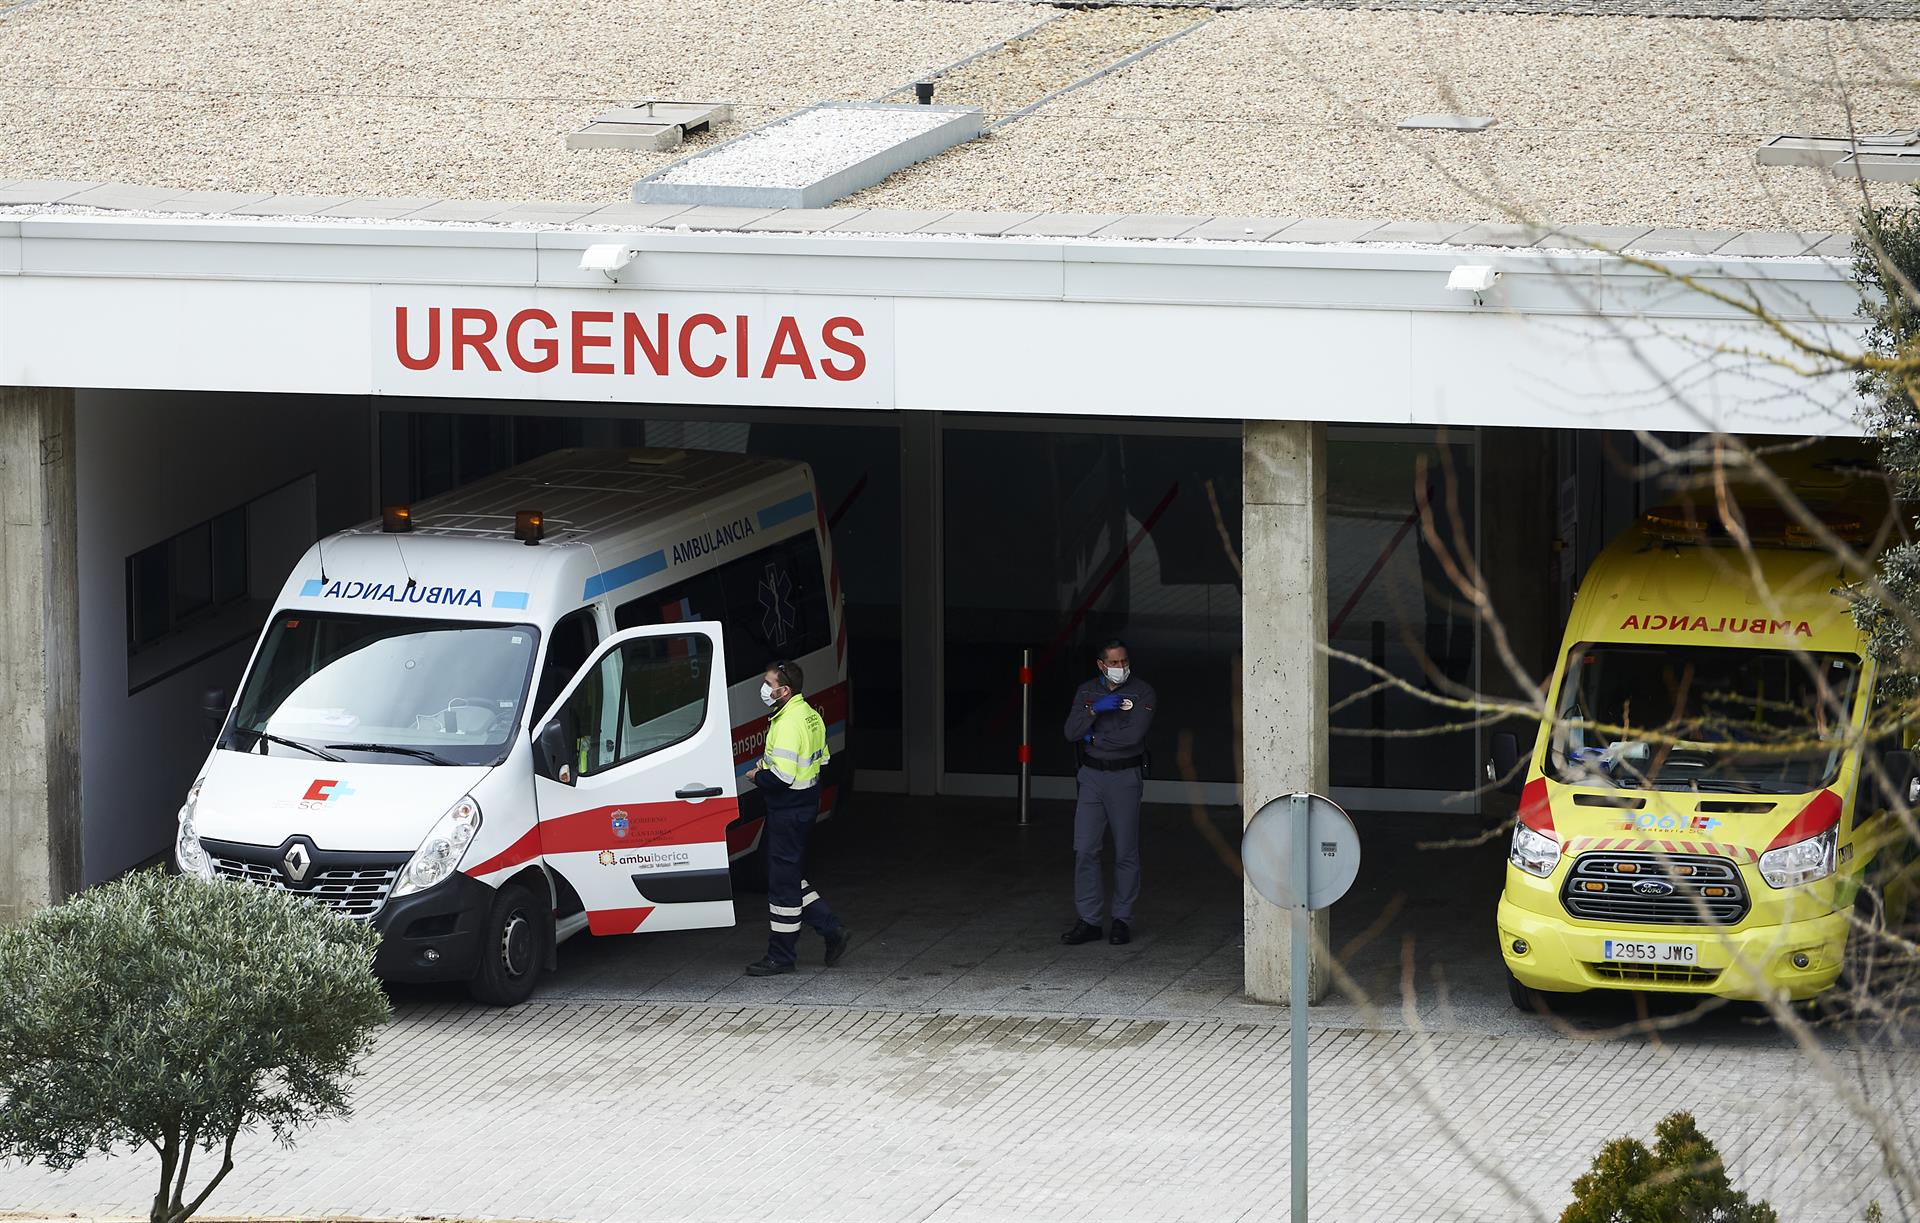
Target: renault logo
x=297, y=862
x=1653, y=887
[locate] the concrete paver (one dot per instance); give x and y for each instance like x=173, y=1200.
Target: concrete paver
x=597, y=1111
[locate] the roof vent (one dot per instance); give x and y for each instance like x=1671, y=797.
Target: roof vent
x=1446, y=123
x=655, y=458
x=813, y=157
x=655, y=124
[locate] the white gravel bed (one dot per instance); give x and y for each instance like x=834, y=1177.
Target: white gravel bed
x=1604, y=120
x=808, y=147
x=461, y=98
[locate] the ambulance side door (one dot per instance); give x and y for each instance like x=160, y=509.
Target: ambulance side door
x=633, y=781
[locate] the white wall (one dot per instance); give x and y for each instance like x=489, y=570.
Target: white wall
x=152, y=464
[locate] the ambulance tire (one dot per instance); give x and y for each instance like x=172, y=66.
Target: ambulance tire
x=1524, y=998
x=1863, y=950
x=514, y=945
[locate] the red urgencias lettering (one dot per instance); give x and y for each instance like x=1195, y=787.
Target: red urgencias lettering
x=628, y=343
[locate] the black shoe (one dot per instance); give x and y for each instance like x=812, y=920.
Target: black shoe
x=1120, y=934
x=1082, y=932
x=767, y=968
x=837, y=945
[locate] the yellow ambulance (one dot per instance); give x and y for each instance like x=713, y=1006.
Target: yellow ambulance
x=1696, y=817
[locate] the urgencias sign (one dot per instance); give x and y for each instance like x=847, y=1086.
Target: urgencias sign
x=565, y=344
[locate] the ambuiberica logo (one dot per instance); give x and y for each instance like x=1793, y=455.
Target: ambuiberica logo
x=650, y=859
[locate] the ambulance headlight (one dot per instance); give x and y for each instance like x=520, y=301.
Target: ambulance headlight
x=1800, y=862
x=439, y=855
x=187, y=850
x=1533, y=852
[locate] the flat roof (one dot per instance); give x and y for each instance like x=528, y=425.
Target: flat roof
x=393, y=108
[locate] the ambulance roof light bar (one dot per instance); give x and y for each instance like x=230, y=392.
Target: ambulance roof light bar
x=1766, y=526
x=529, y=526
x=396, y=520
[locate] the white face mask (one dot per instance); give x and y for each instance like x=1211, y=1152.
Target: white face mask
x=1118, y=675
x=766, y=694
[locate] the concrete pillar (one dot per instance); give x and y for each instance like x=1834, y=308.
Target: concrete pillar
x=1283, y=674
x=39, y=652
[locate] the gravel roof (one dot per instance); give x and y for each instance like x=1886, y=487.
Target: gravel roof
x=1262, y=112
x=1599, y=120
x=403, y=98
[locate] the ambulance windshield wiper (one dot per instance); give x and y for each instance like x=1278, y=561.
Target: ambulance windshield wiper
x=261, y=736
x=417, y=752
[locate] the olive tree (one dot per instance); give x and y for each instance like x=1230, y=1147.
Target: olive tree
x=163, y=1010
x=1886, y=267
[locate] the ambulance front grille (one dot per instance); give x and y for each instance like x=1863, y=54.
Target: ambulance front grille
x=356, y=893
x=1655, y=889
x=1658, y=974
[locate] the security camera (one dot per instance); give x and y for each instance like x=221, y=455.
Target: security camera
x=608, y=257
x=1472, y=278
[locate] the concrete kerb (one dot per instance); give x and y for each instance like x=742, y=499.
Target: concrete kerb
x=28, y=198
x=207, y=1218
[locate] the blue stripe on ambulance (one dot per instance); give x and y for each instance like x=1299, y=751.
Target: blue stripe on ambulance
x=311, y=588
x=625, y=575
x=515, y=599
x=786, y=511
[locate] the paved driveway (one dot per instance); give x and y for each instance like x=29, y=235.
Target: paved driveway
x=623, y=1112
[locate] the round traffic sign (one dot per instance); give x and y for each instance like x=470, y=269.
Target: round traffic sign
x=1332, y=847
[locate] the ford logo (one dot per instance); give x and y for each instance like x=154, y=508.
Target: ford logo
x=1653, y=887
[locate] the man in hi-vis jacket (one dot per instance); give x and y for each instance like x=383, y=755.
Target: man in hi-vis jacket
x=788, y=776
x=1108, y=724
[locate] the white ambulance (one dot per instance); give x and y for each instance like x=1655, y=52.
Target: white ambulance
x=526, y=708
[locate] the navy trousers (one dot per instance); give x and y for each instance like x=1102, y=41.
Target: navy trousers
x=791, y=900
x=1108, y=801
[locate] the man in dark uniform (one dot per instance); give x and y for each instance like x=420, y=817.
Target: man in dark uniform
x=788, y=775
x=1108, y=724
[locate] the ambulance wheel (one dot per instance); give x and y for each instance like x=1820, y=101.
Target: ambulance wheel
x=1863, y=948
x=1523, y=997
x=512, y=949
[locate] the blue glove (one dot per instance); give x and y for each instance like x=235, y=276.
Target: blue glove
x=1107, y=703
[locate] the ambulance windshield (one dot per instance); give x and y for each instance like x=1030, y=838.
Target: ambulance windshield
x=1713, y=720
x=384, y=688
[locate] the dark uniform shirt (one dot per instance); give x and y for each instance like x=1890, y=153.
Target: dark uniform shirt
x=1120, y=734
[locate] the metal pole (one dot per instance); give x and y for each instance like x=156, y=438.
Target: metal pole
x=1026, y=730
x=1302, y=920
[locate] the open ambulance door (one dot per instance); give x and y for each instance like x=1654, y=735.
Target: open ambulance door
x=633, y=781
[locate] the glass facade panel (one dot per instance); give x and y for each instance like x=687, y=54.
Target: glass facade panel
x=1390, y=601
x=1059, y=541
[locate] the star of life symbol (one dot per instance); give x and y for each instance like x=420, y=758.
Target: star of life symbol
x=777, y=612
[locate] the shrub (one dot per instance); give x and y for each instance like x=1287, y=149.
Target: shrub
x=1680, y=1181
x=159, y=1009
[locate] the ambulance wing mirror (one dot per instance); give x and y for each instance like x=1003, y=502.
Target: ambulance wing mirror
x=1503, y=767
x=213, y=712
x=550, y=753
